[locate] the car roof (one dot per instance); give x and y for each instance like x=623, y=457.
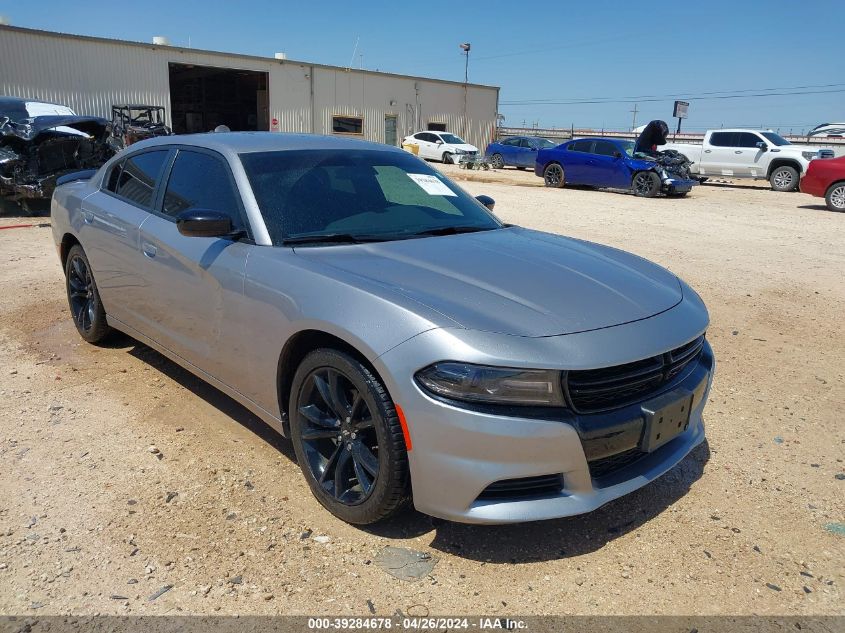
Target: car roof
x=7, y=101
x=598, y=138
x=231, y=143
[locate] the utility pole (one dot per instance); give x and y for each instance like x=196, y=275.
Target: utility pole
x=634, y=124
x=465, y=48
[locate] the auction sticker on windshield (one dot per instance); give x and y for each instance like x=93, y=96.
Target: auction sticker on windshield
x=431, y=185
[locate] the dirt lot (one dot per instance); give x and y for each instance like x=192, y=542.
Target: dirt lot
x=747, y=524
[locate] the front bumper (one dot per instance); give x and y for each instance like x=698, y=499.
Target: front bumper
x=677, y=185
x=459, y=452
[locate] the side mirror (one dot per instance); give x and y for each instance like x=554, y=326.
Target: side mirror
x=204, y=223
x=487, y=201
x=617, y=154
x=762, y=146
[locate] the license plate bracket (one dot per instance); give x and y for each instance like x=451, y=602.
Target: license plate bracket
x=666, y=417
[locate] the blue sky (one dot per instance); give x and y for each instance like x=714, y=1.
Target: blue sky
x=560, y=52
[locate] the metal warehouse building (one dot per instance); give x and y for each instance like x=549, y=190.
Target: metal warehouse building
x=202, y=89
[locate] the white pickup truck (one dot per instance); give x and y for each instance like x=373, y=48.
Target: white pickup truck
x=750, y=154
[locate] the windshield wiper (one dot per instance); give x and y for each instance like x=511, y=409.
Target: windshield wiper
x=454, y=230
x=337, y=238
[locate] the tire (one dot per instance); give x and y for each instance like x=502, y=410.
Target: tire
x=554, y=176
x=83, y=298
x=497, y=162
x=447, y=158
x=835, y=197
x=645, y=184
x=363, y=444
x=784, y=178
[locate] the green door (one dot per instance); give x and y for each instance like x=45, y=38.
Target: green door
x=390, y=129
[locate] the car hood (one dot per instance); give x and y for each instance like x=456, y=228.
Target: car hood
x=513, y=281
x=28, y=129
x=464, y=146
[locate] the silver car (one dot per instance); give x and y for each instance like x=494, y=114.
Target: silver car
x=411, y=345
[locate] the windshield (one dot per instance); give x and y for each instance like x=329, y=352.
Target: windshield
x=452, y=139
x=374, y=194
x=627, y=146
x=777, y=139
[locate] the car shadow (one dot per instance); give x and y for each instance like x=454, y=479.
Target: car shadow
x=816, y=207
x=558, y=538
x=497, y=544
x=204, y=390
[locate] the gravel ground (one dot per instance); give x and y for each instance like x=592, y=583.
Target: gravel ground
x=129, y=486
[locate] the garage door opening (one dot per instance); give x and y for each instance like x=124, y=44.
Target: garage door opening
x=203, y=97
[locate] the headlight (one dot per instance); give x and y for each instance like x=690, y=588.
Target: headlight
x=810, y=155
x=492, y=385
x=461, y=151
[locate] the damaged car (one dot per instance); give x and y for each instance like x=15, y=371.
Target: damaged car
x=39, y=142
x=133, y=123
x=617, y=164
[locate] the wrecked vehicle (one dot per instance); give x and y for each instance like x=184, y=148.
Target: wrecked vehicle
x=133, y=123
x=39, y=142
x=615, y=164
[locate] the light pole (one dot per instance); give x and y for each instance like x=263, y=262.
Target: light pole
x=465, y=48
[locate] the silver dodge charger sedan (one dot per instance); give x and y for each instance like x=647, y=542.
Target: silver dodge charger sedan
x=413, y=347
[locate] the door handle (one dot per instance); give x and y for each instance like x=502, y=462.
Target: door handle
x=738, y=152
x=149, y=249
x=707, y=151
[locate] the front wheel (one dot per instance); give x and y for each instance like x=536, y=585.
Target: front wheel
x=646, y=184
x=784, y=178
x=84, y=298
x=448, y=159
x=554, y=176
x=835, y=197
x=497, y=162
x=347, y=438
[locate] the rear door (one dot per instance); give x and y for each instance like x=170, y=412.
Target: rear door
x=575, y=161
x=112, y=219
x=195, y=284
x=718, y=157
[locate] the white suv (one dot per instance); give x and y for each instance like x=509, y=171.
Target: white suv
x=442, y=146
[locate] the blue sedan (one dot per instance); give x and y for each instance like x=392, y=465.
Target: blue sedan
x=611, y=163
x=517, y=151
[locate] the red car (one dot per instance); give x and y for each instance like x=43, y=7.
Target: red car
x=826, y=179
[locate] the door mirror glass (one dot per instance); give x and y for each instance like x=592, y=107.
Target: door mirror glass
x=617, y=154
x=761, y=145
x=439, y=142
x=487, y=201
x=204, y=223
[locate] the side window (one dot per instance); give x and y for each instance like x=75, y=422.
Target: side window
x=747, y=139
x=722, y=139
x=138, y=177
x=605, y=148
x=200, y=181
x=580, y=146
x=524, y=142
x=114, y=177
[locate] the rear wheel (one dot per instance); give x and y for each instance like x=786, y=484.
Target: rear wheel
x=84, y=298
x=447, y=158
x=835, y=197
x=784, y=178
x=497, y=162
x=646, y=184
x=554, y=176
x=348, y=439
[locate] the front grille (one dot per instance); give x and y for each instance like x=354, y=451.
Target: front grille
x=524, y=487
x=608, y=465
x=593, y=390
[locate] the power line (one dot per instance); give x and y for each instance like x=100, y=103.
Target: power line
x=723, y=94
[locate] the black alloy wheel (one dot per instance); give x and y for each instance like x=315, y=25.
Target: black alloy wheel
x=87, y=311
x=348, y=438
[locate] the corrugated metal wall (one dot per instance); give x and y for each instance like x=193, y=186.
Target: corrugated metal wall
x=89, y=75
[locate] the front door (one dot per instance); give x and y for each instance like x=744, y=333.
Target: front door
x=390, y=130
x=195, y=284
x=606, y=167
